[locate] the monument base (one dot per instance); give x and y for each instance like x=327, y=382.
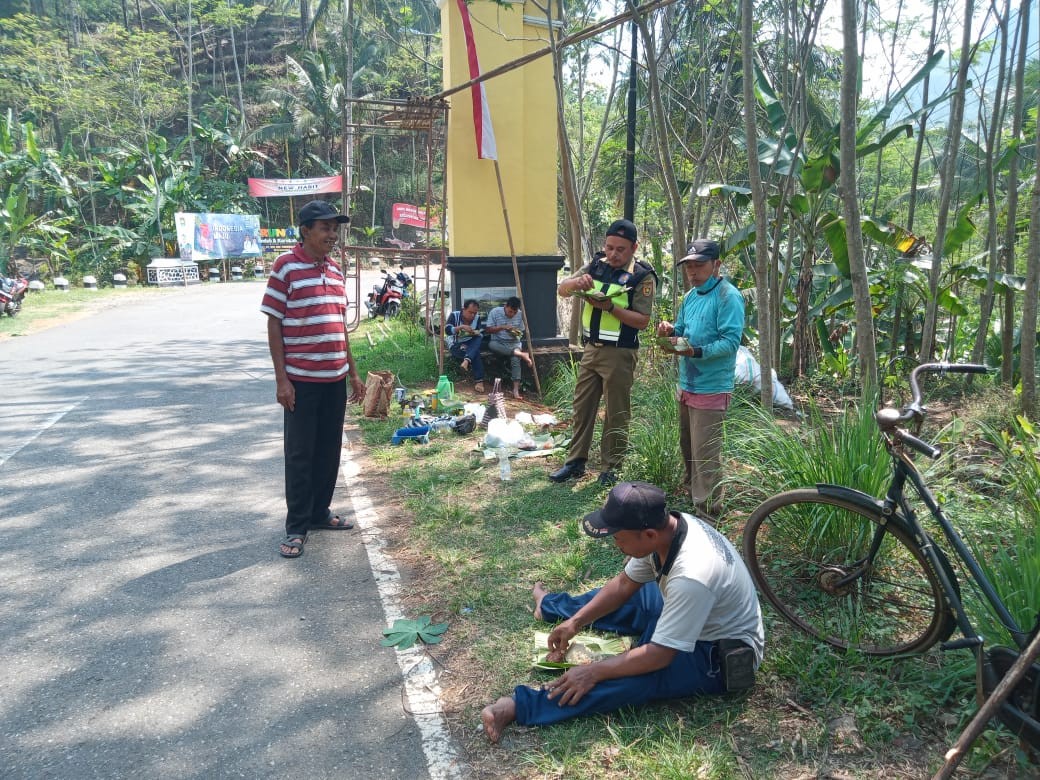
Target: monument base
x=490, y=281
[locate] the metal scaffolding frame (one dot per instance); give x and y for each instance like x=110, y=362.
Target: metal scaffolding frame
x=425, y=119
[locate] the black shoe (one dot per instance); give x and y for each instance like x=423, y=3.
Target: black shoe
x=572, y=470
x=607, y=479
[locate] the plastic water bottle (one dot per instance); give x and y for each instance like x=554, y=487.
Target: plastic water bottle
x=505, y=470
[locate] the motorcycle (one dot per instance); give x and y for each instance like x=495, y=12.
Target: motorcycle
x=12, y=291
x=385, y=299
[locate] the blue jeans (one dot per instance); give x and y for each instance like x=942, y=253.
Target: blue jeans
x=469, y=349
x=689, y=674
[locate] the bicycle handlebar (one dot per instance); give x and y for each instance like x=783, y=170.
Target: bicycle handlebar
x=887, y=418
x=940, y=368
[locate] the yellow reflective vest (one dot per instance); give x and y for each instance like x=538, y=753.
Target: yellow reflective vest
x=620, y=285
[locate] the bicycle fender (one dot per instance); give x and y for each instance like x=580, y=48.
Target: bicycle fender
x=851, y=495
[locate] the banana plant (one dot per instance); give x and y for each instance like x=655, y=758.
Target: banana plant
x=15, y=220
x=804, y=198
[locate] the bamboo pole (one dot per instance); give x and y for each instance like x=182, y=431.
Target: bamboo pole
x=989, y=708
x=516, y=278
x=578, y=37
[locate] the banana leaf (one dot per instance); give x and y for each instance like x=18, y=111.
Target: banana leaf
x=597, y=647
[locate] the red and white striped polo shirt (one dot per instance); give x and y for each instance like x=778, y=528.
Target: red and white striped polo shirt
x=311, y=301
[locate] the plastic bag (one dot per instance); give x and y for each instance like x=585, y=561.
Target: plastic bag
x=504, y=433
x=379, y=389
x=746, y=371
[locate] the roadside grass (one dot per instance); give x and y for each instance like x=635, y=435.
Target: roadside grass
x=476, y=545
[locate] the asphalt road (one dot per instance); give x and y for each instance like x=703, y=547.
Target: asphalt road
x=148, y=627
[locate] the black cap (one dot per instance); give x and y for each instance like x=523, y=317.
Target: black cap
x=631, y=506
x=700, y=251
x=320, y=209
x=622, y=228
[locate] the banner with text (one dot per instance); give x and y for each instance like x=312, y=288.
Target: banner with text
x=275, y=188
x=413, y=216
x=216, y=236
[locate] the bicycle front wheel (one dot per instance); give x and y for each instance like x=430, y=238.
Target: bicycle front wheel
x=810, y=555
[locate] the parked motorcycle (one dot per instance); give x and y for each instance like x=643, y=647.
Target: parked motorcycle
x=12, y=291
x=385, y=299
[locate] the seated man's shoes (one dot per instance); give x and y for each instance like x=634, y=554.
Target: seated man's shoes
x=572, y=470
x=607, y=479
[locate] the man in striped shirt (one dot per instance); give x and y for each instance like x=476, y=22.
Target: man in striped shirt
x=306, y=305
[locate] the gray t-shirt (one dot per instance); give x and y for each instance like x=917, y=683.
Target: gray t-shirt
x=497, y=316
x=708, y=594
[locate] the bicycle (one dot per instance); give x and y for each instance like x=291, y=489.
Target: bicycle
x=861, y=573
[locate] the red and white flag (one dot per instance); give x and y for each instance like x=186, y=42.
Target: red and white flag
x=486, y=149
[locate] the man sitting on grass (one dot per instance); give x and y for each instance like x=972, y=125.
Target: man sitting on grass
x=685, y=592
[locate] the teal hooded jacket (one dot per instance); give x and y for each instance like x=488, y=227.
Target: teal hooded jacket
x=711, y=317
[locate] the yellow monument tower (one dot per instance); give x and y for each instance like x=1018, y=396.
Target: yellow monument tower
x=518, y=128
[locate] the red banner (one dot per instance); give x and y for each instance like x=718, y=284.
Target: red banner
x=283, y=188
x=413, y=216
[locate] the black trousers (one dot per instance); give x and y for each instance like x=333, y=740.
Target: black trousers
x=313, y=440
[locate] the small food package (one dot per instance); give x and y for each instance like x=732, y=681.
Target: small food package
x=583, y=649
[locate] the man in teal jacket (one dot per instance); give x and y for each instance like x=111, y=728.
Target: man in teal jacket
x=708, y=330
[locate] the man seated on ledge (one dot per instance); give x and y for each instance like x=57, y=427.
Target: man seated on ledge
x=505, y=325
x=465, y=340
x=685, y=592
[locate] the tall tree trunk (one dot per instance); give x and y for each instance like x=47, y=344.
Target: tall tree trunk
x=993, y=148
x=1027, y=361
x=659, y=126
x=347, y=109
x=186, y=42
x=948, y=177
x=865, y=343
x=766, y=328
x=1007, y=324
x=238, y=76
x=305, y=24
x=895, y=28
x=801, y=338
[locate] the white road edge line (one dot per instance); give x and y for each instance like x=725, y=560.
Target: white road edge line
x=422, y=690
x=4, y=457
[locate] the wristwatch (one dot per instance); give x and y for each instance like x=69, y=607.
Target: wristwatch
x=611, y=307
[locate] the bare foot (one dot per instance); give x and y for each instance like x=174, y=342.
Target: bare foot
x=465, y=364
x=497, y=716
x=538, y=592
x=527, y=359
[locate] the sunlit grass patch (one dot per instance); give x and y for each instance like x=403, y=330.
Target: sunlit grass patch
x=479, y=544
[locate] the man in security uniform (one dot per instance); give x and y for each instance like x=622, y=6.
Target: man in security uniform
x=619, y=295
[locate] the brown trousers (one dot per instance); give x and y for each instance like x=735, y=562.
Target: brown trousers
x=605, y=372
x=700, y=436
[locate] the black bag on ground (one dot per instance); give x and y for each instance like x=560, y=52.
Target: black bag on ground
x=737, y=662
x=467, y=423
